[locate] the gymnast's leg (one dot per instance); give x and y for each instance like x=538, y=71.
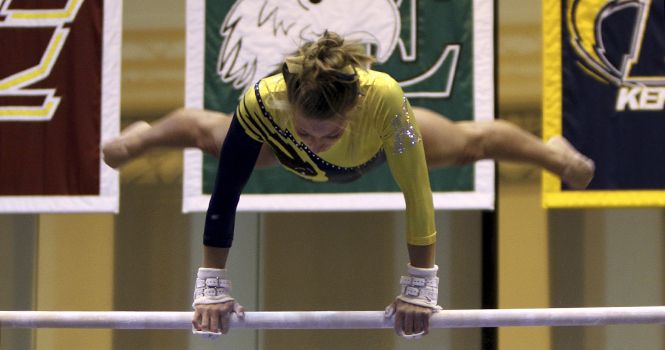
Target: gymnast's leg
x=453, y=144
x=181, y=128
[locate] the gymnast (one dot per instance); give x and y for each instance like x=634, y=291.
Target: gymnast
x=326, y=117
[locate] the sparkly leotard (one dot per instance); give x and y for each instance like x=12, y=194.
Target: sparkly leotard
x=380, y=128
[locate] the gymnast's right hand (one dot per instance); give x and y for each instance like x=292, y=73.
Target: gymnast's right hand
x=213, y=304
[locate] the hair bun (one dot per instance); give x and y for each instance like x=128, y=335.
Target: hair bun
x=329, y=52
x=323, y=82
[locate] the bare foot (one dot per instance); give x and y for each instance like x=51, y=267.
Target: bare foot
x=126, y=146
x=578, y=170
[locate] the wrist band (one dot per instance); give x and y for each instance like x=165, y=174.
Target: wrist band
x=421, y=287
x=212, y=287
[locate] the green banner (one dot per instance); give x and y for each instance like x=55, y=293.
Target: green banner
x=429, y=47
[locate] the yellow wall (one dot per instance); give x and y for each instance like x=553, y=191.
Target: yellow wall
x=331, y=261
x=523, y=259
x=523, y=224
x=74, y=272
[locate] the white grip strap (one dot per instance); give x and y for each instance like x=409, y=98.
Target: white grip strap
x=211, y=287
x=421, y=287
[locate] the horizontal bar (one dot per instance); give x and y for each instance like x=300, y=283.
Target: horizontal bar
x=338, y=319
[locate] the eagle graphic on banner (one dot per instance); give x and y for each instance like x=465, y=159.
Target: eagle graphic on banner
x=259, y=33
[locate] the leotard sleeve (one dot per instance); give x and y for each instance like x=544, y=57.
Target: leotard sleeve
x=406, y=157
x=239, y=153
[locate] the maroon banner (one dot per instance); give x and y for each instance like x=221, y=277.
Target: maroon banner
x=50, y=97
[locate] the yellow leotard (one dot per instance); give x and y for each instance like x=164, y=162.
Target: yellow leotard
x=382, y=125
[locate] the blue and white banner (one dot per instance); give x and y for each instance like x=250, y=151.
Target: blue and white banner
x=604, y=91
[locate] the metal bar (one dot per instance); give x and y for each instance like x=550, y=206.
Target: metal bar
x=338, y=319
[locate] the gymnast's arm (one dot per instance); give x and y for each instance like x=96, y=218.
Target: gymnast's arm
x=406, y=158
x=236, y=163
x=237, y=159
x=410, y=172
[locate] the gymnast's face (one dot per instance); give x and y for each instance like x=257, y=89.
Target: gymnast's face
x=319, y=135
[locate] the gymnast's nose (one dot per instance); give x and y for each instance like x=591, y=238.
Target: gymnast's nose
x=320, y=145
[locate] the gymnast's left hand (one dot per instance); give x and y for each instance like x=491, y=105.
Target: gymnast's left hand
x=411, y=321
x=213, y=304
x=216, y=318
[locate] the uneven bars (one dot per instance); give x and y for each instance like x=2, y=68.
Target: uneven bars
x=338, y=319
